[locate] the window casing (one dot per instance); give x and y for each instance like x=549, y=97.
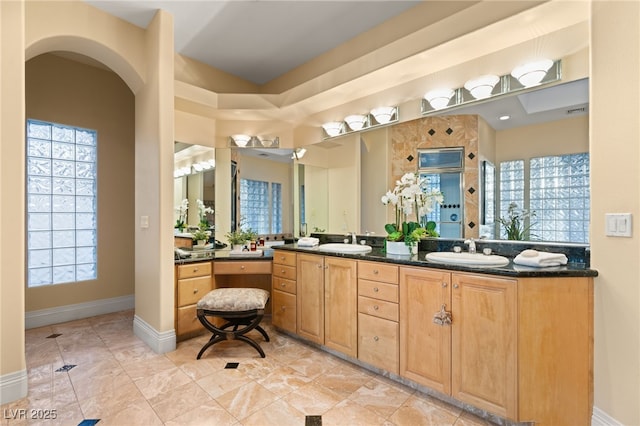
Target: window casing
x=61, y=173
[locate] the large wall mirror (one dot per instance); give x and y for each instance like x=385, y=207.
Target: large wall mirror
x=194, y=181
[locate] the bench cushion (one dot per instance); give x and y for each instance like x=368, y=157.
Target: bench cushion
x=234, y=299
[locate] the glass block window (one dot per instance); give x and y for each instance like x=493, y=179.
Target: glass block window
x=511, y=188
x=559, y=195
x=61, y=204
x=260, y=206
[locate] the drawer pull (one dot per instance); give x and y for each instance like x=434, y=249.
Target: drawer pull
x=283, y=284
x=444, y=285
x=195, y=269
x=282, y=272
x=195, y=290
x=455, y=286
x=375, y=272
x=376, y=338
x=375, y=307
x=375, y=289
x=283, y=308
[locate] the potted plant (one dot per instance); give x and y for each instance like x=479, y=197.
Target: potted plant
x=515, y=223
x=181, y=221
x=201, y=236
x=202, y=213
x=410, y=197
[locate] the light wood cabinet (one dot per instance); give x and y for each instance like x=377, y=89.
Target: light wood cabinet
x=192, y=282
x=518, y=348
x=340, y=305
x=378, y=314
x=473, y=358
x=310, y=297
x=484, y=342
x=283, y=291
x=425, y=347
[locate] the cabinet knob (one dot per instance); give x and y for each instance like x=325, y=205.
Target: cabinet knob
x=455, y=286
x=282, y=272
x=195, y=269
x=195, y=290
x=375, y=272
x=375, y=307
x=376, y=338
x=375, y=289
x=283, y=308
x=444, y=285
x=283, y=285
x=241, y=266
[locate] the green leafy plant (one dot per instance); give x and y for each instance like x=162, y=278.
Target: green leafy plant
x=515, y=224
x=200, y=234
x=181, y=221
x=410, y=197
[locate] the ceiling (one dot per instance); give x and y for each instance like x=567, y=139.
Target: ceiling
x=262, y=40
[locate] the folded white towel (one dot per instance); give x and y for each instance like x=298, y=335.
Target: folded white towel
x=308, y=242
x=540, y=258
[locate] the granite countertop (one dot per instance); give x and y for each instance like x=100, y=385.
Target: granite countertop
x=511, y=270
x=221, y=254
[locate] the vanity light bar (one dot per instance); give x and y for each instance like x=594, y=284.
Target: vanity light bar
x=246, y=141
x=377, y=117
x=506, y=84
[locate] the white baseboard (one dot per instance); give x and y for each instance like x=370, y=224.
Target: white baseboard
x=160, y=342
x=66, y=313
x=600, y=418
x=13, y=386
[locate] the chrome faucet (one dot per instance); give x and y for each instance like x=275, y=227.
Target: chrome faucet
x=472, y=245
x=354, y=239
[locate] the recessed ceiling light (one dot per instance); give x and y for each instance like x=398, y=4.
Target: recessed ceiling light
x=504, y=117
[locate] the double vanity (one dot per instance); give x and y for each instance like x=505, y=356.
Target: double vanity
x=509, y=342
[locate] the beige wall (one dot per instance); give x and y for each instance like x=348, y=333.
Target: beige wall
x=615, y=187
x=67, y=92
x=568, y=136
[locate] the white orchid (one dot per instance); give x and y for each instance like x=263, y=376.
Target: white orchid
x=410, y=196
x=182, y=209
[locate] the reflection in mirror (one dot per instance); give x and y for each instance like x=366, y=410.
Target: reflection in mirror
x=194, y=181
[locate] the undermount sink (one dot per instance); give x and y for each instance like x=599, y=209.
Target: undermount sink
x=345, y=248
x=468, y=259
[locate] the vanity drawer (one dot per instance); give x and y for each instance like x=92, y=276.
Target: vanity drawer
x=188, y=320
x=248, y=267
x=378, y=290
x=283, y=271
x=191, y=290
x=283, y=284
x=378, y=342
x=284, y=311
x=378, y=308
x=378, y=272
x=191, y=270
x=282, y=257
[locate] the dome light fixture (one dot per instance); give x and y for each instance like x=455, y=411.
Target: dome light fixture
x=531, y=74
x=439, y=98
x=356, y=122
x=241, y=140
x=383, y=115
x=481, y=87
x=333, y=128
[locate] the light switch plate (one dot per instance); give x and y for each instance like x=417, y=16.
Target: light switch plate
x=618, y=224
x=144, y=221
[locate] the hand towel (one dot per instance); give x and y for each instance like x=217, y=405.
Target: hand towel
x=540, y=258
x=308, y=242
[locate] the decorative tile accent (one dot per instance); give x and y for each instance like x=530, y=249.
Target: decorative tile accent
x=471, y=156
x=54, y=335
x=65, y=367
x=313, y=421
x=88, y=422
x=449, y=131
x=472, y=225
x=432, y=132
x=410, y=158
x=232, y=365
x=471, y=190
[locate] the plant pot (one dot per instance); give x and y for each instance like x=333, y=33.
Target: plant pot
x=398, y=248
x=238, y=246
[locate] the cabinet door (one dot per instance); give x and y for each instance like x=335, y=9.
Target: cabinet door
x=425, y=347
x=341, y=305
x=484, y=342
x=378, y=342
x=310, y=297
x=284, y=310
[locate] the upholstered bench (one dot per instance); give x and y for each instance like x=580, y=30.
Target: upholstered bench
x=238, y=307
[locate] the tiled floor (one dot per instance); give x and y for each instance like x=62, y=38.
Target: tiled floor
x=97, y=369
